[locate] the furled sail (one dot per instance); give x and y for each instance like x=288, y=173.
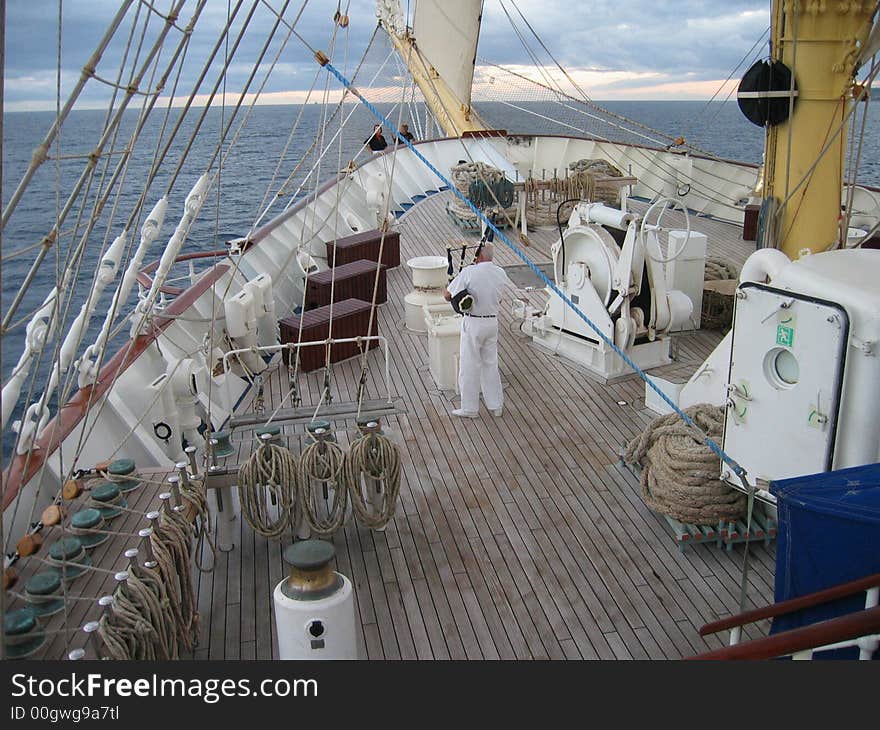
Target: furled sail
x=446, y=33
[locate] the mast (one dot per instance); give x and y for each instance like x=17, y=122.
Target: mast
x=439, y=52
x=818, y=41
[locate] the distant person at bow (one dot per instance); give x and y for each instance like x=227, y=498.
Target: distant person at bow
x=405, y=134
x=376, y=141
x=478, y=356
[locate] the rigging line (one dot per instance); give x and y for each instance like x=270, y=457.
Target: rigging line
x=851, y=189
x=737, y=469
x=85, y=74
x=182, y=46
x=866, y=84
x=2, y=114
x=268, y=199
x=692, y=122
x=207, y=106
x=49, y=240
x=103, y=403
x=373, y=306
x=668, y=168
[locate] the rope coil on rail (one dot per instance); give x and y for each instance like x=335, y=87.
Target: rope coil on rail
x=270, y=472
x=372, y=466
x=322, y=467
x=680, y=474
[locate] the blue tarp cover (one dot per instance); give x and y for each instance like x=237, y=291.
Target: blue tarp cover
x=829, y=533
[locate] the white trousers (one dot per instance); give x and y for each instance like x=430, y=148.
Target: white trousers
x=478, y=364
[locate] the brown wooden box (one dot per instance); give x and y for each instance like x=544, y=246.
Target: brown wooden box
x=351, y=318
x=365, y=245
x=348, y=281
x=750, y=223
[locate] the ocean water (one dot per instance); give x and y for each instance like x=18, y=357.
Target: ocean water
x=262, y=153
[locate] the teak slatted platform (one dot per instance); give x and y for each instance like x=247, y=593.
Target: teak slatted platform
x=356, y=280
x=351, y=318
x=365, y=245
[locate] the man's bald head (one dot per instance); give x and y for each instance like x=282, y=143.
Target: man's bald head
x=487, y=252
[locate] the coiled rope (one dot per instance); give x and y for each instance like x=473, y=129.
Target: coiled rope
x=372, y=466
x=172, y=542
x=322, y=470
x=718, y=268
x=270, y=472
x=680, y=474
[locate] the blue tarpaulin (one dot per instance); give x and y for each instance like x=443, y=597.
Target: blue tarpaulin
x=829, y=533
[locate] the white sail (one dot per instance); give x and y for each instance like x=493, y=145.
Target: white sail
x=446, y=33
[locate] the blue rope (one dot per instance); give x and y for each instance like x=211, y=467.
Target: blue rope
x=737, y=469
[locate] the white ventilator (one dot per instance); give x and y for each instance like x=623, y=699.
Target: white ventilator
x=429, y=280
x=314, y=606
x=621, y=288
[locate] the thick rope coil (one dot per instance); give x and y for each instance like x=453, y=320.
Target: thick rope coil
x=322, y=470
x=271, y=471
x=173, y=549
x=680, y=474
x=544, y=196
x=195, y=494
x=718, y=267
x=373, y=467
x=462, y=176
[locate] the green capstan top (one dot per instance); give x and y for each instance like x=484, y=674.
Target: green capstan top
x=44, y=583
x=20, y=621
x=86, y=519
x=309, y=554
x=121, y=467
x=66, y=549
x=105, y=492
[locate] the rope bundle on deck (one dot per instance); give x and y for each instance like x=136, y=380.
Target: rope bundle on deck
x=464, y=175
x=373, y=469
x=543, y=197
x=270, y=475
x=322, y=472
x=680, y=474
x=718, y=268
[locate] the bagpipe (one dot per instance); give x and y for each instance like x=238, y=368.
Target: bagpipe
x=463, y=301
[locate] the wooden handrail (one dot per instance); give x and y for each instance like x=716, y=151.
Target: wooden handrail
x=793, y=604
x=823, y=633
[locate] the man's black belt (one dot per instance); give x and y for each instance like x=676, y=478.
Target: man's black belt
x=480, y=316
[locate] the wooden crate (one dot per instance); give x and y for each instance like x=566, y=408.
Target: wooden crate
x=348, y=281
x=365, y=245
x=351, y=318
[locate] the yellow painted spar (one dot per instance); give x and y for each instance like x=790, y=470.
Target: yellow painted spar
x=454, y=116
x=817, y=39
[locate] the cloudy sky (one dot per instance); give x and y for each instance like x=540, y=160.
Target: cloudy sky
x=615, y=49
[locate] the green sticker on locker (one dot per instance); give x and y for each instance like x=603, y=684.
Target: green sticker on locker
x=784, y=336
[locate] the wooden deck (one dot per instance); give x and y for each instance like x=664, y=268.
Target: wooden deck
x=519, y=537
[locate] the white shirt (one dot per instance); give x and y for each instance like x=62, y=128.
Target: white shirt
x=485, y=282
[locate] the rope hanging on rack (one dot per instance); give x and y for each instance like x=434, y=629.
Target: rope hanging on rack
x=372, y=467
x=271, y=471
x=680, y=474
x=322, y=466
x=172, y=541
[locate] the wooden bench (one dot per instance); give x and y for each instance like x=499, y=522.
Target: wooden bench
x=348, y=281
x=365, y=245
x=351, y=318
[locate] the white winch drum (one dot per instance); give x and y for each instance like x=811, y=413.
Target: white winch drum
x=428, y=272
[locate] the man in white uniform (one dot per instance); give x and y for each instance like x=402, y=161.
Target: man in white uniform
x=478, y=355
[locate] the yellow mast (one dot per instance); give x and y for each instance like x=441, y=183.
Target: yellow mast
x=817, y=40
x=454, y=116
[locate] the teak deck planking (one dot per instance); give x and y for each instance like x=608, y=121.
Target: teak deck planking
x=520, y=537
